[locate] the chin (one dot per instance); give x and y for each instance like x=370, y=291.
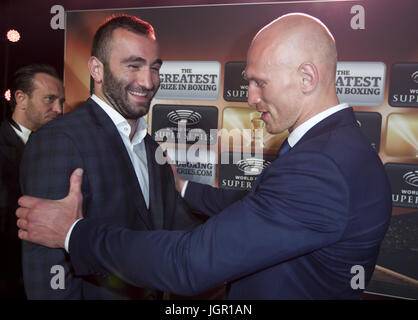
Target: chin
x=273, y=131
x=137, y=114
x=137, y=111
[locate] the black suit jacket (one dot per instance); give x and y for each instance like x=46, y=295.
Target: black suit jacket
x=88, y=138
x=11, y=149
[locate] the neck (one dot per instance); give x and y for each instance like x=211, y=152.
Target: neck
x=315, y=107
x=20, y=119
x=132, y=122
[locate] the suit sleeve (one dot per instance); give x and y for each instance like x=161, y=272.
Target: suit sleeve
x=47, y=163
x=297, y=208
x=209, y=200
x=182, y=218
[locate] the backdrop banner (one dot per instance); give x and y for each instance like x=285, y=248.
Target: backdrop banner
x=201, y=116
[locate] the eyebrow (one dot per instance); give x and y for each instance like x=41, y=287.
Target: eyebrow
x=140, y=60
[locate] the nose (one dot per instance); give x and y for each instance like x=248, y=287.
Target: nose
x=57, y=107
x=253, y=96
x=147, y=78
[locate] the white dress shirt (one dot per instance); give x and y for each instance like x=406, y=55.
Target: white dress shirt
x=135, y=148
x=23, y=134
x=300, y=131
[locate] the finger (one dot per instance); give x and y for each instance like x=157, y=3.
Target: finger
x=27, y=201
x=22, y=224
x=23, y=235
x=76, y=180
x=22, y=212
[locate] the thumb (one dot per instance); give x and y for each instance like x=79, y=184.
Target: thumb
x=76, y=180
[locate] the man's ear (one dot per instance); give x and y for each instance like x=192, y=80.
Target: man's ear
x=309, y=77
x=96, y=69
x=21, y=99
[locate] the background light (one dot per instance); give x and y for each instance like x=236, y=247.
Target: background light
x=7, y=95
x=13, y=35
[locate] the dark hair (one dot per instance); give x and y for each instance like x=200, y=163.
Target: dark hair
x=104, y=33
x=23, y=79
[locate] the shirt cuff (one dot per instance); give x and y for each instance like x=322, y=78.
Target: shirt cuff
x=183, y=190
x=67, y=238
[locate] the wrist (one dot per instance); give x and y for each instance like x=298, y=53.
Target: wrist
x=180, y=184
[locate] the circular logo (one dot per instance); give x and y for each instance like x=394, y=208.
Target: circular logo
x=411, y=178
x=188, y=117
x=252, y=166
x=414, y=76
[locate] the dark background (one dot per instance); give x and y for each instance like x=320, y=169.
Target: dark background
x=40, y=43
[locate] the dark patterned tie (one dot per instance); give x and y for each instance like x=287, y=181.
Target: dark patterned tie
x=285, y=147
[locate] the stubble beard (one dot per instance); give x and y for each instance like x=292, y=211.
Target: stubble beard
x=117, y=95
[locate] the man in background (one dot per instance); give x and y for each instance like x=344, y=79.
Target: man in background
x=37, y=97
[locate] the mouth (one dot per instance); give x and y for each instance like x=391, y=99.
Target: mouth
x=264, y=115
x=136, y=93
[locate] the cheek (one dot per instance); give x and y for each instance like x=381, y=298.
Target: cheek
x=126, y=79
x=37, y=106
x=156, y=80
x=282, y=98
x=273, y=99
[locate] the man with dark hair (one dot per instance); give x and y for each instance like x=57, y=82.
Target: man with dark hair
x=108, y=137
x=103, y=35
x=37, y=96
x=30, y=108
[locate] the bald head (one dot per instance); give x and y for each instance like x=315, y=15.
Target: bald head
x=297, y=38
x=291, y=67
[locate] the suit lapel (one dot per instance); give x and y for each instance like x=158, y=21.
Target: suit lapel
x=155, y=192
x=105, y=124
x=13, y=146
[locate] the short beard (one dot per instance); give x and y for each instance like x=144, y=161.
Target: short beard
x=116, y=94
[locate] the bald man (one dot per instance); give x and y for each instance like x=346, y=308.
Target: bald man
x=310, y=227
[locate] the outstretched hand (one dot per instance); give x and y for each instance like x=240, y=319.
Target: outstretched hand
x=46, y=222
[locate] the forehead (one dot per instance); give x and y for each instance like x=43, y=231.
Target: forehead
x=47, y=83
x=125, y=43
x=258, y=59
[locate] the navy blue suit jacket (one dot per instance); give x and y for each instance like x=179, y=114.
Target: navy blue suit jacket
x=87, y=138
x=313, y=214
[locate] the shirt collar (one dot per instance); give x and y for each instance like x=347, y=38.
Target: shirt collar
x=121, y=123
x=300, y=131
x=24, y=133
